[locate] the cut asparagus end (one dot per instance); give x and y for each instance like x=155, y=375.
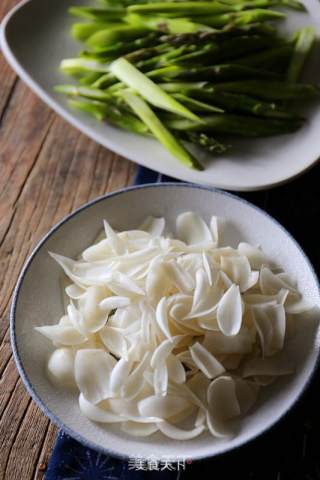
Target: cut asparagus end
x=304, y=42
x=154, y=94
x=165, y=137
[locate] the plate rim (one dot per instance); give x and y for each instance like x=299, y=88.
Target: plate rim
x=108, y=143
x=15, y=297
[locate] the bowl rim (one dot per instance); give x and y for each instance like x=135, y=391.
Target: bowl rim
x=15, y=297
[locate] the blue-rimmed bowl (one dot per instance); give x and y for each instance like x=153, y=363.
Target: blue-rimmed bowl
x=37, y=301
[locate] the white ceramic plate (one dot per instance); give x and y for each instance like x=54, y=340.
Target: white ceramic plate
x=37, y=301
x=35, y=38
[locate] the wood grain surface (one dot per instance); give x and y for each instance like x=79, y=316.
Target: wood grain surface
x=47, y=169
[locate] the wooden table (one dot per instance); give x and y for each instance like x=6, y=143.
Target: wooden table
x=47, y=169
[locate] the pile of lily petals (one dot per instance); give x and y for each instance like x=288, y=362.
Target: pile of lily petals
x=169, y=331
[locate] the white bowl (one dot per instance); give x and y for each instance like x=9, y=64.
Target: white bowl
x=35, y=38
x=37, y=301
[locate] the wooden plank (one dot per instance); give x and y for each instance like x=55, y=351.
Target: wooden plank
x=28, y=444
x=8, y=76
x=8, y=381
x=47, y=169
x=10, y=424
x=45, y=452
x=62, y=171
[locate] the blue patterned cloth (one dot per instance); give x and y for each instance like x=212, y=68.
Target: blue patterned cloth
x=290, y=450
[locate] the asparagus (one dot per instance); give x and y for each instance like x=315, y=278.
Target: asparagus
x=213, y=74
x=267, y=58
x=77, y=66
x=241, y=18
x=186, y=71
x=184, y=9
x=118, y=32
x=82, y=31
x=198, y=38
x=120, y=118
x=203, y=140
x=196, y=105
x=88, y=92
x=166, y=25
x=303, y=45
x=270, y=90
x=144, y=112
x=123, y=48
x=106, y=13
x=237, y=125
x=240, y=103
x=229, y=49
x=132, y=77
x=112, y=113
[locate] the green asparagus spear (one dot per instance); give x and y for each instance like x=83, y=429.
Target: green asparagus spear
x=99, y=14
x=205, y=141
x=241, y=18
x=166, y=25
x=270, y=90
x=87, y=92
x=240, y=103
x=213, y=74
x=82, y=31
x=196, y=105
x=267, y=59
x=119, y=32
x=198, y=38
x=144, y=112
x=183, y=9
x=132, y=77
x=303, y=45
x=111, y=113
x=244, y=126
x=78, y=66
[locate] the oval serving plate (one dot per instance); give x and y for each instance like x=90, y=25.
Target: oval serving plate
x=35, y=37
x=37, y=301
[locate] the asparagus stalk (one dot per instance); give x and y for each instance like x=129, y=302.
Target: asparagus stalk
x=182, y=87
x=213, y=74
x=183, y=9
x=123, y=48
x=228, y=49
x=99, y=14
x=144, y=112
x=205, y=141
x=112, y=113
x=270, y=90
x=132, y=77
x=78, y=66
x=192, y=8
x=198, y=38
x=88, y=92
x=123, y=119
x=240, y=103
x=241, y=18
x=196, y=105
x=166, y=25
x=267, y=58
x=303, y=45
x=82, y=31
x=118, y=32
x=89, y=78
x=244, y=126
